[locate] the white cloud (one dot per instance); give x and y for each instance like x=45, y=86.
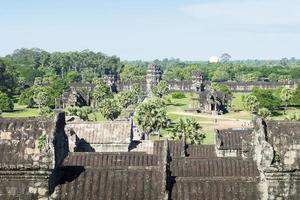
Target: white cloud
x=261, y=12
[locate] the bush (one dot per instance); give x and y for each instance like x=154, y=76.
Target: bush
x=178, y=95
x=6, y=104
x=46, y=112
x=264, y=113
x=83, y=112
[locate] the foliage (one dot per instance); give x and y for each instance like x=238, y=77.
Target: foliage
x=41, y=98
x=82, y=113
x=188, y=129
x=178, y=95
x=35, y=62
x=286, y=95
x=220, y=87
x=294, y=117
x=110, y=109
x=266, y=99
x=46, y=112
x=160, y=89
x=151, y=116
x=6, y=104
x=296, y=96
x=127, y=98
x=220, y=75
x=264, y=112
x=42, y=141
x=8, y=78
x=251, y=102
x=132, y=72
x=101, y=92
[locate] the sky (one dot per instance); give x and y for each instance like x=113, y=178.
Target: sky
x=154, y=29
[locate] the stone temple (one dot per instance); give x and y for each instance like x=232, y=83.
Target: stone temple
x=59, y=159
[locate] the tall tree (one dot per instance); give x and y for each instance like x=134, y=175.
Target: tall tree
x=251, y=103
x=101, y=92
x=110, y=109
x=286, y=95
x=189, y=130
x=160, y=89
x=151, y=116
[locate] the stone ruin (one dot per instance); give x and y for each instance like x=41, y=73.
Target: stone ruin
x=55, y=159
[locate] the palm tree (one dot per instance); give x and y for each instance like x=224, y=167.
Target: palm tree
x=151, y=116
x=190, y=130
x=286, y=95
x=251, y=103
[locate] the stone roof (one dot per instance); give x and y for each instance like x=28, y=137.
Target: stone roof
x=102, y=133
x=231, y=139
x=94, y=184
x=121, y=159
x=214, y=167
x=191, y=188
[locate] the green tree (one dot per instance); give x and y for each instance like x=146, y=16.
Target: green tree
x=188, y=130
x=286, y=95
x=41, y=98
x=264, y=113
x=151, y=116
x=266, y=99
x=87, y=75
x=6, y=104
x=101, y=92
x=82, y=113
x=220, y=75
x=221, y=88
x=110, y=109
x=160, y=89
x=251, y=103
x=26, y=97
x=132, y=72
x=296, y=96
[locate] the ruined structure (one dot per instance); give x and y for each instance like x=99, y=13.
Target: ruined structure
x=54, y=159
x=213, y=102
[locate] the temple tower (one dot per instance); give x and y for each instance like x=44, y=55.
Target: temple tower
x=197, y=79
x=153, y=77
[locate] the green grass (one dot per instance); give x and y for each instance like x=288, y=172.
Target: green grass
x=280, y=115
x=176, y=110
x=237, y=102
x=21, y=111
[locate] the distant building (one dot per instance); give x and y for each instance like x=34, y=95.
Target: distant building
x=213, y=59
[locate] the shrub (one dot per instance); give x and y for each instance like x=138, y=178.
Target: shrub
x=46, y=112
x=264, y=113
x=6, y=104
x=178, y=95
x=82, y=112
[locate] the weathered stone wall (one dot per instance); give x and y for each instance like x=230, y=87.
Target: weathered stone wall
x=182, y=86
x=31, y=149
x=26, y=158
x=248, y=86
x=275, y=147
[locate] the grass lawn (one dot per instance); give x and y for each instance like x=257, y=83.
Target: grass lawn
x=176, y=110
x=280, y=115
x=237, y=103
x=21, y=111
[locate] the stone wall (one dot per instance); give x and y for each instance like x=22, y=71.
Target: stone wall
x=276, y=149
x=248, y=86
x=30, y=151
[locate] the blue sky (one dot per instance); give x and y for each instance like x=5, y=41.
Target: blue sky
x=136, y=29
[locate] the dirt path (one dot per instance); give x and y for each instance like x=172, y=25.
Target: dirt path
x=218, y=121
